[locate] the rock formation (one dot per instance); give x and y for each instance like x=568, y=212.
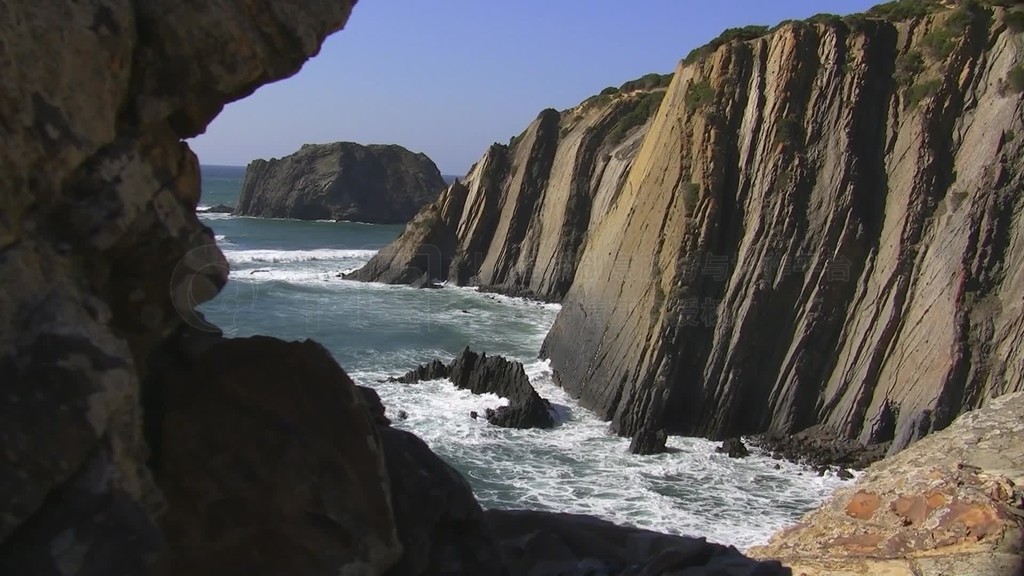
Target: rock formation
x=383, y=184
x=822, y=226
x=518, y=221
x=482, y=374
x=950, y=504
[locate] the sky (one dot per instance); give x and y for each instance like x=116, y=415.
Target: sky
x=449, y=77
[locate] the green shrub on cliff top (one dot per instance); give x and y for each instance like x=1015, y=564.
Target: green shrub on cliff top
x=732, y=34
x=908, y=66
x=901, y=10
x=698, y=95
x=647, y=82
x=644, y=109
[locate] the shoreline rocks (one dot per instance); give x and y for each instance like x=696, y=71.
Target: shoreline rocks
x=482, y=374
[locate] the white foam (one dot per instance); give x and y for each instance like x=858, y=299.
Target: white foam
x=580, y=467
x=283, y=256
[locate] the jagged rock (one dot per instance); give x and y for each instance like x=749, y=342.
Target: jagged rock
x=734, y=448
x=527, y=206
x=440, y=524
x=384, y=184
x=818, y=446
x=482, y=374
x=780, y=258
x=261, y=446
x=403, y=415
x=376, y=407
x=551, y=544
x=220, y=209
x=101, y=254
x=949, y=504
x=433, y=370
x=648, y=442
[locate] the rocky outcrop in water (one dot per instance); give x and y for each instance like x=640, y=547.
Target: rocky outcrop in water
x=518, y=221
x=384, y=184
x=482, y=374
x=950, y=504
x=822, y=226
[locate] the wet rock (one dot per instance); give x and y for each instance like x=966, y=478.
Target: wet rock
x=647, y=441
x=220, y=209
x=433, y=370
x=403, y=415
x=818, y=446
x=473, y=414
x=425, y=282
x=844, y=474
x=550, y=544
x=734, y=447
x=482, y=374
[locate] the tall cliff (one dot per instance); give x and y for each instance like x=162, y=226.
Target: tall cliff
x=822, y=226
x=384, y=184
x=517, y=223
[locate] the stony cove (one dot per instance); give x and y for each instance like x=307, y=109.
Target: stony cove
x=812, y=226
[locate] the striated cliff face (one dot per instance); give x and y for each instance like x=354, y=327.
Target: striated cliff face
x=384, y=184
x=517, y=223
x=822, y=226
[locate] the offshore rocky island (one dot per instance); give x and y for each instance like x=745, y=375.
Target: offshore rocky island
x=814, y=227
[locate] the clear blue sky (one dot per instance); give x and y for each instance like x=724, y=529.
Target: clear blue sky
x=449, y=77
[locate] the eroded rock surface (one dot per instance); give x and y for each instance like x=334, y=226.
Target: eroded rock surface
x=483, y=374
x=950, y=504
x=384, y=184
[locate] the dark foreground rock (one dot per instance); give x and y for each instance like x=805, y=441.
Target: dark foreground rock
x=819, y=447
x=384, y=184
x=648, y=441
x=550, y=544
x=483, y=374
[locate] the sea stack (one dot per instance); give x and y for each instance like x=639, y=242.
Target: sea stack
x=381, y=184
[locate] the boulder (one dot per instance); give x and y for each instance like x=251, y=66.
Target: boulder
x=734, y=447
x=482, y=374
x=384, y=184
x=553, y=544
x=262, y=445
x=433, y=370
x=647, y=441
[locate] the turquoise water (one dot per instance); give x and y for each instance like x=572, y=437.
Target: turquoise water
x=285, y=282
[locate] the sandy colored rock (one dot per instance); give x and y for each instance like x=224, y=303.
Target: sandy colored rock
x=950, y=504
x=801, y=242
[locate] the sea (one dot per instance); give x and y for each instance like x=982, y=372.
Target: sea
x=285, y=282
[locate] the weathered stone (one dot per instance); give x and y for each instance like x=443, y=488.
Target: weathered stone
x=482, y=374
x=949, y=504
x=648, y=442
x=384, y=184
x=101, y=254
x=263, y=447
x=734, y=448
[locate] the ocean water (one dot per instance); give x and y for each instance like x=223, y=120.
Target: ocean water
x=285, y=283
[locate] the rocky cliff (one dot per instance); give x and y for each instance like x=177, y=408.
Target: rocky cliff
x=822, y=226
x=384, y=184
x=135, y=438
x=518, y=221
